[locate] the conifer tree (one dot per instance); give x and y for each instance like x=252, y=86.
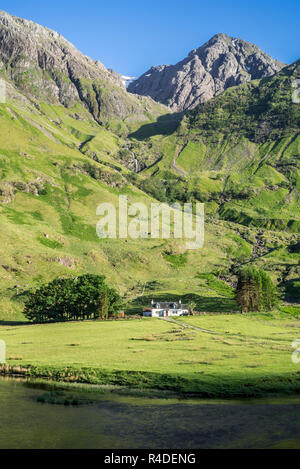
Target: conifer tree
x=255, y=291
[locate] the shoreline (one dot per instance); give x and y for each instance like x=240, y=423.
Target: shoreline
x=147, y=384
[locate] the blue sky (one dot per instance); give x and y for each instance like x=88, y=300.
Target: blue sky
x=130, y=36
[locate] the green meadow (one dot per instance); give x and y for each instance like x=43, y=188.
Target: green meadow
x=225, y=355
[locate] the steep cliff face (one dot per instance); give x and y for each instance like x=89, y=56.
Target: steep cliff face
x=219, y=64
x=46, y=67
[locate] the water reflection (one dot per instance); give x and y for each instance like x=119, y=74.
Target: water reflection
x=112, y=421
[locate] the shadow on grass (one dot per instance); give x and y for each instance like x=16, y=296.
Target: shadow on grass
x=165, y=125
x=14, y=323
x=203, y=303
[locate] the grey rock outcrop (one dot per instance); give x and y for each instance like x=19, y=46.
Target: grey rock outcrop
x=219, y=64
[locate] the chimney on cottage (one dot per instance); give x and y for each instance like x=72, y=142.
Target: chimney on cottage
x=152, y=302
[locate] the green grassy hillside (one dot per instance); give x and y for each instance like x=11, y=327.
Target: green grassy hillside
x=239, y=153
x=57, y=164
x=71, y=141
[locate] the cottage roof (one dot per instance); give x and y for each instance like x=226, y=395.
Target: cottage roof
x=169, y=305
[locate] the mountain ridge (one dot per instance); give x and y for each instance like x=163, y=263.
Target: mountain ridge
x=220, y=63
x=45, y=66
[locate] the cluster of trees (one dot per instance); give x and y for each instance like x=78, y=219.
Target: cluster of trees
x=88, y=297
x=167, y=188
x=71, y=299
x=255, y=291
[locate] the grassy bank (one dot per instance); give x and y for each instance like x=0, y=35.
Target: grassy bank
x=240, y=356
x=224, y=387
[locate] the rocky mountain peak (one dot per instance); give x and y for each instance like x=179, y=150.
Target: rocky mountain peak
x=220, y=63
x=26, y=47
x=44, y=66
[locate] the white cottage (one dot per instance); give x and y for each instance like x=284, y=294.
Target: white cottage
x=164, y=310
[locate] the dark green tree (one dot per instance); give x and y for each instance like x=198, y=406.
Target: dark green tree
x=71, y=299
x=255, y=291
x=88, y=290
